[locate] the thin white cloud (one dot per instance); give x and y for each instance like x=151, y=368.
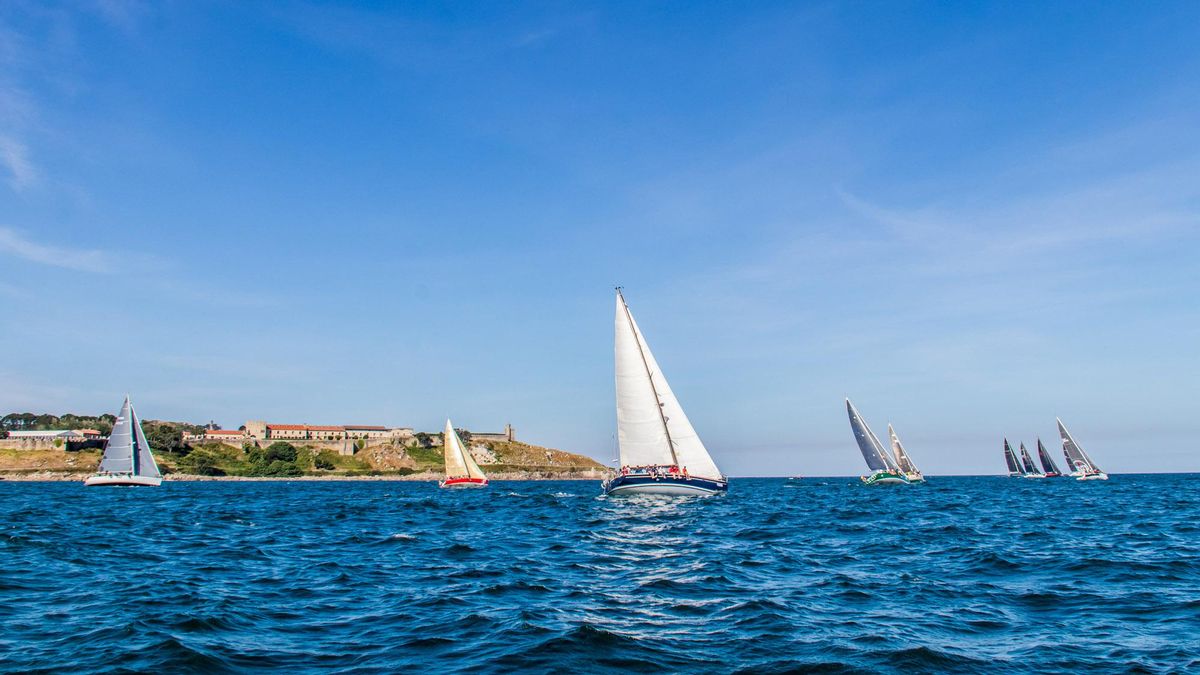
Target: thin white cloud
x=14, y=243
x=14, y=158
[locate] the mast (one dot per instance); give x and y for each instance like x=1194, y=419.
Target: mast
x=650, y=377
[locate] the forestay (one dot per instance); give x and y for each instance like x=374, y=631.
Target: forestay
x=652, y=428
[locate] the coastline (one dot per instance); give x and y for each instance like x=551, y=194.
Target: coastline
x=67, y=477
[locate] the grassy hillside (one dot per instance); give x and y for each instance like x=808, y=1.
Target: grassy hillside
x=285, y=459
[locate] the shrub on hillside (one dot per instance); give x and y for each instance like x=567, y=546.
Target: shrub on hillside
x=281, y=451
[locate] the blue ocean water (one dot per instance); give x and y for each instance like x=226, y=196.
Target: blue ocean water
x=962, y=574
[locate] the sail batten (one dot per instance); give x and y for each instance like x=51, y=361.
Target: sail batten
x=652, y=428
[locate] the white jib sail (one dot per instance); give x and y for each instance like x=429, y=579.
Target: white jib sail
x=651, y=425
x=459, y=462
x=902, y=458
x=146, y=466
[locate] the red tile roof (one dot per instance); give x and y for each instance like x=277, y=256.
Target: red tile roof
x=320, y=428
x=223, y=432
x=363, y=427
x=287, y=427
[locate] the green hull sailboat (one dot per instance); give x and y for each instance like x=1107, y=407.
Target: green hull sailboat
x=885, y=469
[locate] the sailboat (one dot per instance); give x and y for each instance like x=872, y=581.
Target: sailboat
x=903, y=460
x=881, y=462
x=1049, y=468
x=661, y=453
x=127, y=459
x=1029, y=468
x=461, y=469
x=1085, y=468
x=1010, y=458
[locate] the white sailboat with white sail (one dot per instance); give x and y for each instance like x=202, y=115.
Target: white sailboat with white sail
x=903, y=460
x=661, y=453
x=1081, y=463
x=461, y=469
x=886, y=470
x=127, y=460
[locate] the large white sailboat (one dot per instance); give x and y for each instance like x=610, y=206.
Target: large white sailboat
x=127, y=458
x=1077, y=459
x=903, y=460
x=886, y=471
x=661, y=453
x=461, y=469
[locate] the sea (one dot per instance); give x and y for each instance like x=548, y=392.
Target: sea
x=962, y=574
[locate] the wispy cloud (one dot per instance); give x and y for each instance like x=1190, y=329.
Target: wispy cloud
x=14, y=157
x=14, y=243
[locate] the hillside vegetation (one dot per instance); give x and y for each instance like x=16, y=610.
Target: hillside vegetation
x=284, y=459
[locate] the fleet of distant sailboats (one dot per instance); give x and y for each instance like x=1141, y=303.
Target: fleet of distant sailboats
x=1077, y=459
x=660, y=451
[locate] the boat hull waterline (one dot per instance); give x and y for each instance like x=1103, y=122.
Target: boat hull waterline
x=463, y=483
x=1093, y=476
x=126, y=480
x=664, y=485
x=886, y=478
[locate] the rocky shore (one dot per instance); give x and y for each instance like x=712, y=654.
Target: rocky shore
x=64, y=476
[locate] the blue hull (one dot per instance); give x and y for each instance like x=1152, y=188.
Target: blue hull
x=664, y=485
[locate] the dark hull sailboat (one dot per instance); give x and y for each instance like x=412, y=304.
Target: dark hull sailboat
x=661, y=453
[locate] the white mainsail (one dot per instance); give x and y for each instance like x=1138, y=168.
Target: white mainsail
x=459, y=462
x=127, y=450
x=652, y=428
x=902, y=459
x=872, y=450
x=1078, y=459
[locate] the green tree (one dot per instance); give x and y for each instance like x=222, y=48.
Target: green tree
x=280, y=450
x=325, y=460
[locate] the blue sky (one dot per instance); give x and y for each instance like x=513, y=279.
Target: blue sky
x=969, y=218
